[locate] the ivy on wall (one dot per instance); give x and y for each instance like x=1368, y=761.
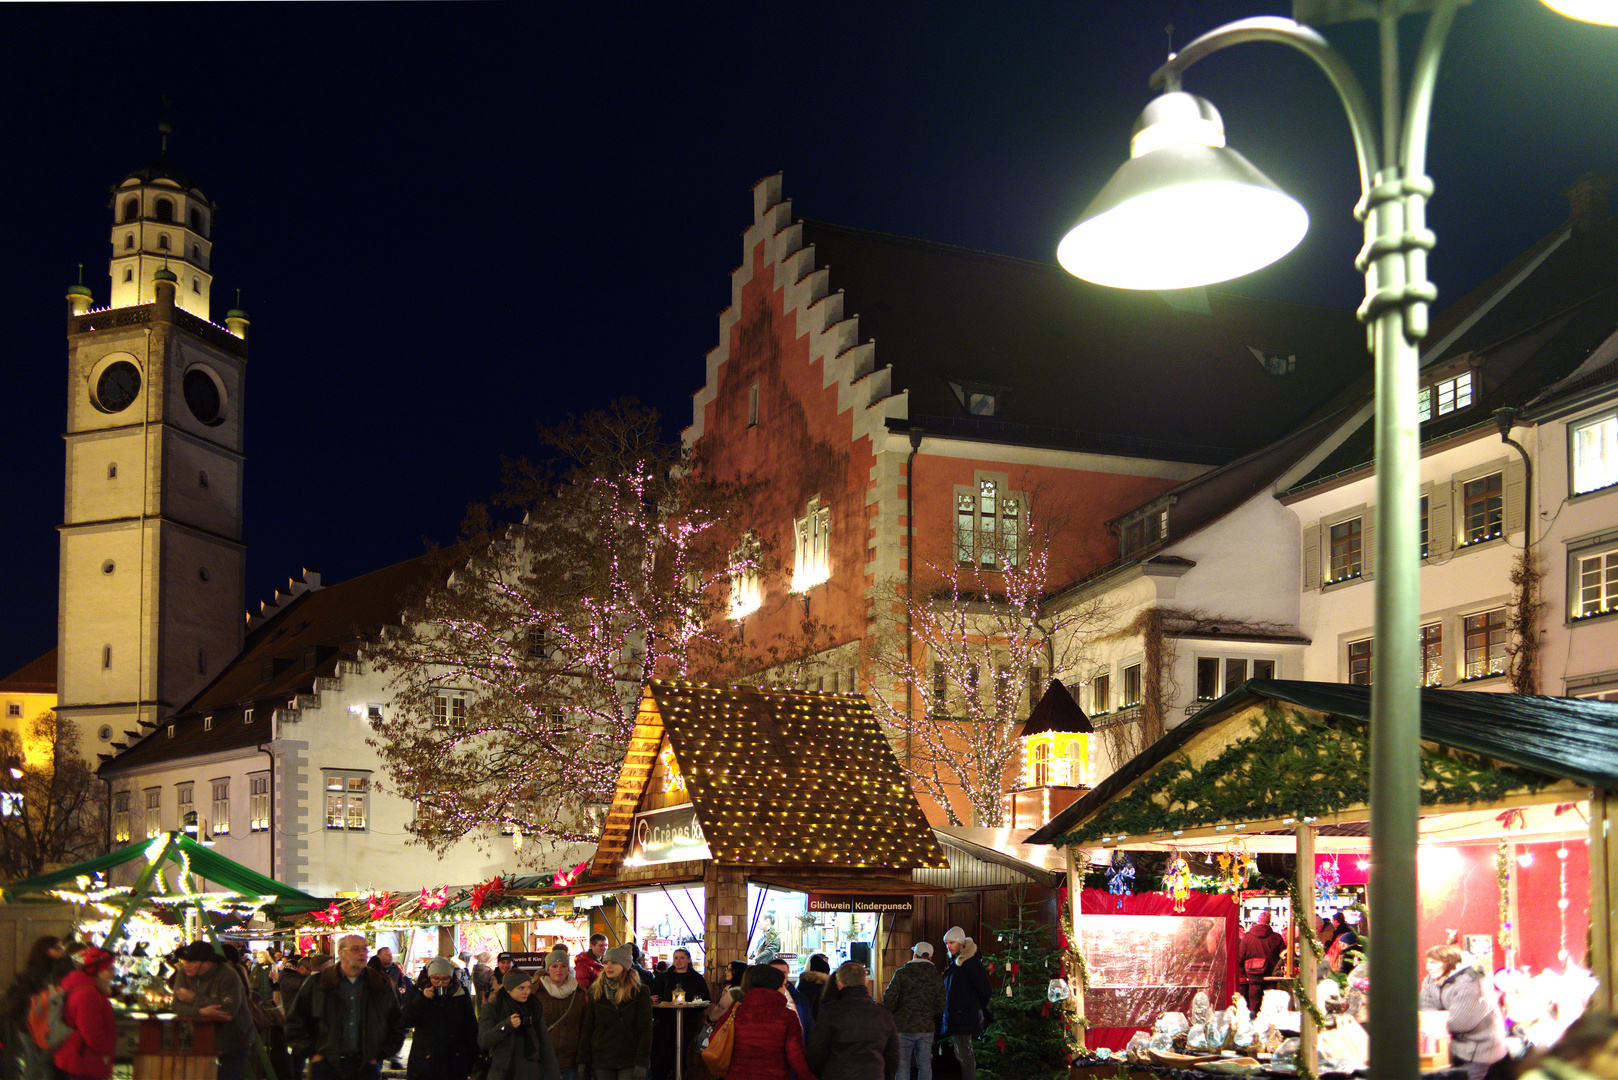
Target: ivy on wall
x=1292, y=764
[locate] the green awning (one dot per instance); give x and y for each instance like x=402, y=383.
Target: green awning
x=203, y=861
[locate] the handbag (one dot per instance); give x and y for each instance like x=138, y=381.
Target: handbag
x=716, y=1055
x=1255, y=965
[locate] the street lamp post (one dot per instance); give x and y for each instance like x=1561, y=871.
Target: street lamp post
x=1182, y=212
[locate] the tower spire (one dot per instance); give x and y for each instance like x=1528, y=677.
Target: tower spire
x=163, y=131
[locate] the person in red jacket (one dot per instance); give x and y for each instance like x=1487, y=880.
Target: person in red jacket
x=587, y=965
x=768, y=1040
x=87, y=1053
x=1258, y=957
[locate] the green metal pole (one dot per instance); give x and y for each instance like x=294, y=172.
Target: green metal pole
x=261, y=1051
x=137, y=893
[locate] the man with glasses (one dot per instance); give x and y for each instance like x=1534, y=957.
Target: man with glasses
x=347, y=1019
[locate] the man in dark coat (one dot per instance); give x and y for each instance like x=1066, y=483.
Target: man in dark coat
x=966, y=995
x=445, y=1043
x=854, y=1037
x=346, y=1020
x=1257, y=957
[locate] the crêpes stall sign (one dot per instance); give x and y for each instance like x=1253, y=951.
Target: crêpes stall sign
x=672, y=834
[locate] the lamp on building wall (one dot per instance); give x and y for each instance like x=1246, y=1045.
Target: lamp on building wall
x=1186, y=211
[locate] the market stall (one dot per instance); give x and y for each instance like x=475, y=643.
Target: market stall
x=747, y=820
x=1509, y=783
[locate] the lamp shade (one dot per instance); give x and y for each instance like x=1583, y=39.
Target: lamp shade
x=1604, y=12
x=1184, y=210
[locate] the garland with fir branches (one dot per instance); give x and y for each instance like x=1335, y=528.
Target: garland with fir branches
x=1290, y=765
x=1306, y=1000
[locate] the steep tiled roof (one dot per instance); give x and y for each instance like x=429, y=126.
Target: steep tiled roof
x=1056, y=711
x=303, y=641
x=35, y=677
x=776, y=777
x=1081, y=366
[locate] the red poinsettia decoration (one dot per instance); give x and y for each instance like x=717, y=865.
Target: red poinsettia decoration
x=482, y=894
x=380, y=905
x=432, y=901
x=331, y=916
x=563, y=878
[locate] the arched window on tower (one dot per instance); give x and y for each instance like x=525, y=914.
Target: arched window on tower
x=129, y=273
x=131, y=209
x=194, y=287
x=129, y=241
x=165, y=209
x=197, y=224
x=196, y=253
x=163, y=242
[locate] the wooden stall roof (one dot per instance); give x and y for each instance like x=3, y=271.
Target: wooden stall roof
x=1476, y=748
x=775, y=776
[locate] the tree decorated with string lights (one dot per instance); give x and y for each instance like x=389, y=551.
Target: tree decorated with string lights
x=516, y=671
x=966, y=650
x=1029, y=1037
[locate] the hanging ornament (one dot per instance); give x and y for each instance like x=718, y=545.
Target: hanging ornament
x=1119, y=876
x=516, y=841
x=1327, y=875
x=1178, y=882
x=1058, y=991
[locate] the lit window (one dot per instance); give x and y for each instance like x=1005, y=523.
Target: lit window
x=1346, y=551
x=988, y=526
x=154, y=812
x=1595, y=455
x=120, y=817
x=1131, y=686
x=1453, y=394
x=1424, y=403
x=981, y=404
x=1144, y=531
x=1486, y=640
x=259, y=804
x=1042, y=764
x=746, y=583
x=1359, y=662
x=1432, y=654
x=1426, y=528
x=1482, y=506
x=811, y=547
x=182, y=799
x=449, y=711
x=221, y=807
x=373, y=714
x=345, y=800
x=1101, y=694
x=14, y=710
x=11, y=804
x=1598, y=584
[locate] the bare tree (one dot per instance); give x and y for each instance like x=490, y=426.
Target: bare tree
x=974, y=642
x=516, y=671
x=52, y=805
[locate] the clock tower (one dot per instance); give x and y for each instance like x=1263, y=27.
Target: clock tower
x=151, y=587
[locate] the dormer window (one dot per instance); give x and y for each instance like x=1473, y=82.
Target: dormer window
x=1444, y=396
x=1143, y=529
x=978, y=399
x=982, y=404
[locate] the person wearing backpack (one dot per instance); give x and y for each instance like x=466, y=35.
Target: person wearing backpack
x=87, y=1052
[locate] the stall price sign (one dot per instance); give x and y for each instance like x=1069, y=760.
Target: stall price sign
x=880, y=903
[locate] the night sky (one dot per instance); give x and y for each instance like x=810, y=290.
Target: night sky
x=450, y=222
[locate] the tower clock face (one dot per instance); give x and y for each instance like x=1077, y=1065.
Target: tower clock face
x=118, y=386
x=202, y=396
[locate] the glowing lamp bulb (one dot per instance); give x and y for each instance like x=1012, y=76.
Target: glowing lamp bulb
x=1526, y=859
x=1604, y=12
x=1561, y=853
x=1184, y=210
x=1363, y=864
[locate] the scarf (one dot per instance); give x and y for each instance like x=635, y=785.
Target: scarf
x=609, y=989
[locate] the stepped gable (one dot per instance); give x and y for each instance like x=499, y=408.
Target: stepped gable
x=1079, y=365
x=35, y=677
x=303, y=638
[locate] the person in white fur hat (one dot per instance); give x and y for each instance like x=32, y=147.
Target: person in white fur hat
x=966, y=995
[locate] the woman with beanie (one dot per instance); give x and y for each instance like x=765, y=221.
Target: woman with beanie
x=767, y=1043
x=616, y=1039
x=813, y=982
x=513, y=1032
x=563, y=1002
x=444, y=1046
x=87, y=1053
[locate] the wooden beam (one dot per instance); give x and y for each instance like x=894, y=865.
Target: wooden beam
x=1603, y=898
x=1308, y=976
x=1075, y=883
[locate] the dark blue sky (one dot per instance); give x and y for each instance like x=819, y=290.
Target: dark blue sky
x=449, y=222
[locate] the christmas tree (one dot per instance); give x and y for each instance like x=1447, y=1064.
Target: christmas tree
x=1029, y=1037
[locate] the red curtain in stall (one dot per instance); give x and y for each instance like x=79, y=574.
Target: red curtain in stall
x=1145, y=958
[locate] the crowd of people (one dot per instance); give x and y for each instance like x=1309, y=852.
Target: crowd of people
x=585, y=1017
